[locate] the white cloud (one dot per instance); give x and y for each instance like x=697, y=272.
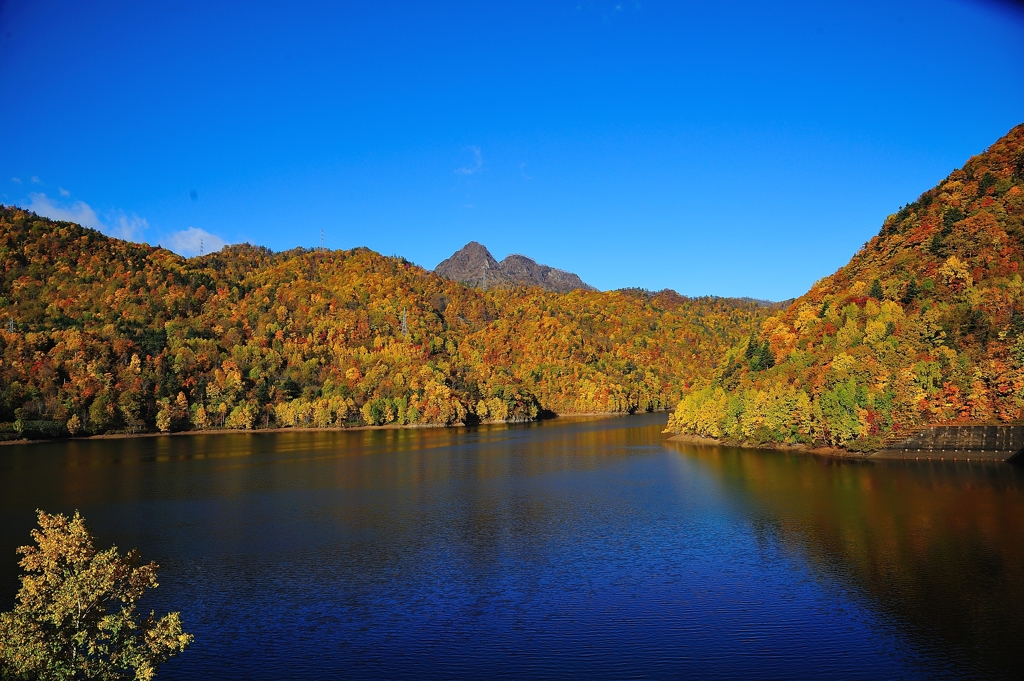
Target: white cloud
x=36, y=180
x=64, y=192
x=128, y=227
x=79, y=211
x=121, y=225
x=478, y=163
x=118, y=224
x=16, y=180
x=189, y=242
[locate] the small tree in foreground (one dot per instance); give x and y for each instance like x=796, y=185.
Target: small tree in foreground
x=75, y=613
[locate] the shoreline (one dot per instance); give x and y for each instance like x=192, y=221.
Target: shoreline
x=312, y=429
x=951, y=452
x=831, y=452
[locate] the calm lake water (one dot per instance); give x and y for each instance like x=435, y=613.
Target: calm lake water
x=567, y=549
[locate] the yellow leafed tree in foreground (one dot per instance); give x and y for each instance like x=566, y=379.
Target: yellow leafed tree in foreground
x=75, y=614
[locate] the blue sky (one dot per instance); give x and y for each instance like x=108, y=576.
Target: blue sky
x=733, y=148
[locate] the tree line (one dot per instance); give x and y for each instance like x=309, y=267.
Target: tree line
x=924, y=325
x=102, y=336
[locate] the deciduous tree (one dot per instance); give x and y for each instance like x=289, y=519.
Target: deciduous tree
x=75, y=615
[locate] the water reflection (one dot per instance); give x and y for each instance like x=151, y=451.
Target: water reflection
x=939, y=546
x=574, y=548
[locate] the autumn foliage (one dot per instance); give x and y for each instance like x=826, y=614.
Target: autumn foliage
x=924, y=325
x=75, y=614
x=99, y=335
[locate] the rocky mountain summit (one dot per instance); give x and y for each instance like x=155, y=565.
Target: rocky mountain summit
x=474, y=265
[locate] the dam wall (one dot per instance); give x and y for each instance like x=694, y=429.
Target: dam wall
x=992, y=443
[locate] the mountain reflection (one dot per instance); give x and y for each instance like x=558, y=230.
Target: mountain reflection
x=403, y=483
x=568, y=549
x=939, y=547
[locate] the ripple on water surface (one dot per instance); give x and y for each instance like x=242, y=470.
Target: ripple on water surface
x=568, y=549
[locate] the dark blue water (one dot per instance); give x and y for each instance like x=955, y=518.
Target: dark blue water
x=568, y=549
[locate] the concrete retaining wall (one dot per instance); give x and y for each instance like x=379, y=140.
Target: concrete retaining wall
x=992, y=443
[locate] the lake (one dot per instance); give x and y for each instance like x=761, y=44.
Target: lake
x=570, y=548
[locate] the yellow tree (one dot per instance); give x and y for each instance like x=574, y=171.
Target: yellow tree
x=75, y=613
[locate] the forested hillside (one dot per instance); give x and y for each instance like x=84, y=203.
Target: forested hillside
x=101, y=335
x=924, y=325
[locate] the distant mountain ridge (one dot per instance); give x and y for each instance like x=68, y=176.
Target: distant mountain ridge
x=100, y=335
x=474, y=265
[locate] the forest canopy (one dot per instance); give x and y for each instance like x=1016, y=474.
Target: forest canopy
x=924, y=325
x=101, y=335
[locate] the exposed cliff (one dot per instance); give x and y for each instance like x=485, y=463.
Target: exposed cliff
x=474, y=265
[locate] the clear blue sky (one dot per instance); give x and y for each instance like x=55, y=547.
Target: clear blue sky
x=731, y=148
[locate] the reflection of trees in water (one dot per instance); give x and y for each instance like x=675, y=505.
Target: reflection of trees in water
x=938, y=546
x=392, y=493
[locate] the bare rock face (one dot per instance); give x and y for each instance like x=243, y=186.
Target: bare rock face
x=469, y=264
x=474, y=265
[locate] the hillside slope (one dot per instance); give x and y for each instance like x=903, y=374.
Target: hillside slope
x=924, y=325
x=101, y=335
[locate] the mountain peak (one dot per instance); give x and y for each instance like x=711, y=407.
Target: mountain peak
x=474, y=265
